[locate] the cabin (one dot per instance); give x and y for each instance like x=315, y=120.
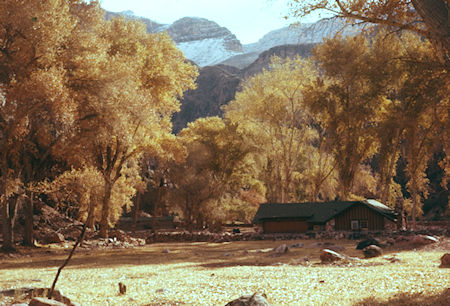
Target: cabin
x=368, y=215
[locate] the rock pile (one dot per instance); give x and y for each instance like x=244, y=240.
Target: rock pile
x=35, y=296
x=119, y=240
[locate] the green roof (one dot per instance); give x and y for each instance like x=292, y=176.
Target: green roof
x=315, y=212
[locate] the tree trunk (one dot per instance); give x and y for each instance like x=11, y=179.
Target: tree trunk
x=414, y=207
x=435, y=15
x=7, y=227
x=90, y=220
x=389, y=175
x=136, y=212
x=29, y=213
x=104, y=222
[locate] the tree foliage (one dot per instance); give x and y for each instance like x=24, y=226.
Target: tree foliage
x=217, y=168
x=271, y=113
x=130, y=112
x=79, y=90
x=36, y=109
x=348, y=98
x=428, y=18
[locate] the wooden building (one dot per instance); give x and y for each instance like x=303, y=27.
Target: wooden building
x=368, y=215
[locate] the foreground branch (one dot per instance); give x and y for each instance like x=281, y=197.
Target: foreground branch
x=80, y=239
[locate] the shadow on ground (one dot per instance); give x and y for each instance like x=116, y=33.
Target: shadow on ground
x=408, y=299
x=205, y=255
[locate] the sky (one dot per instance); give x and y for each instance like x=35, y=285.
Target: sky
x=249, y=20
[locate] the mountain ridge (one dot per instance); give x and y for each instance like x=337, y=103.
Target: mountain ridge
x=207, y=43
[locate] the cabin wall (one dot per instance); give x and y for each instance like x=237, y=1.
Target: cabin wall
x=362, y=216
x=280, y=226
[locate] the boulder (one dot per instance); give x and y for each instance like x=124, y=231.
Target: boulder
x=281, y=249
x=327, y=256
x=445, y=260
x=372, y=251
x=421, y=240
x=249, y=300
x=40, y=301
x=365, y=243
x=48, y=237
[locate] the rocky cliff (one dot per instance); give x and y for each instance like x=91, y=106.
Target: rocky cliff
x=217, y=85
x=284, y=51
x=204, y=41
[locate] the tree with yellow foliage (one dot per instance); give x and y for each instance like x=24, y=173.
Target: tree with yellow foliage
x=349, y=98
x=36, y=109
x=82, y=90
x=271, y=113
x=130, y=92
x=423, y=105
x=216, y=169
x=428, y=18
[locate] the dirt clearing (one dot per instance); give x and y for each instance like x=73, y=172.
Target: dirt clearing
x=216, y=273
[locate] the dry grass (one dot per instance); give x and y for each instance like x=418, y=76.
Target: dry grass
x=215, y=273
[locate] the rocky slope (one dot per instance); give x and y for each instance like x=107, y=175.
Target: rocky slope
x=283, y=51
x=203, y=41
x=305, y=33
x=217, y=85
x=206, y=43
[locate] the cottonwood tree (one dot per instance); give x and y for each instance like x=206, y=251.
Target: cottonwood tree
x=321, y=175
x=271, y=113
x=428, y=18
x=36, y=109
x=216, y=169
x=415, y=119
x=130, y=94
x=79, y=89
x=77, y=191
x=425, y=109
x=349, y=97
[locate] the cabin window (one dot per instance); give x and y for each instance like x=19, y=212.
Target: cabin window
x=364, y=224
x=355, y=225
